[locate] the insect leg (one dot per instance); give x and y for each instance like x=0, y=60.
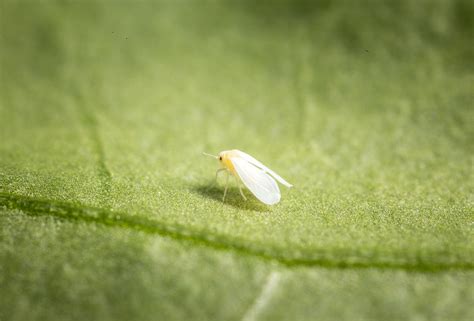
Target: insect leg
x=241, y=191
x=226, y=186
x=218, y=171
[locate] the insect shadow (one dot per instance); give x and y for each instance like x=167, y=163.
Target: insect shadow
x=215, y=192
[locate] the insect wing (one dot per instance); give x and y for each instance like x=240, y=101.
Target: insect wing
x=262, y=185
x=255, y=162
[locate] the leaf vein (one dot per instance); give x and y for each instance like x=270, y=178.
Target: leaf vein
x=69, y=211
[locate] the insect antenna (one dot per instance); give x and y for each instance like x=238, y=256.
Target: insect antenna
x=206, y=154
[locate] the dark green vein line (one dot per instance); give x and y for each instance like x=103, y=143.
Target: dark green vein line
x=90, y=123
x=69, y=211
x=81, y=95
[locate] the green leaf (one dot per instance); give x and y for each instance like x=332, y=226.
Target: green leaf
x=110, y=212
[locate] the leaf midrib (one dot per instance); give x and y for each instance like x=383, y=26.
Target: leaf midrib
x=64, y=210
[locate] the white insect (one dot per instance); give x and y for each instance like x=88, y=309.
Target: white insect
x=258, y=178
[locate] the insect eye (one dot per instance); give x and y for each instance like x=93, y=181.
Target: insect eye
x=220, y=158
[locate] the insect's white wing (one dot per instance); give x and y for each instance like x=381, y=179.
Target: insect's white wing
x=255, y=162
x=262, y=185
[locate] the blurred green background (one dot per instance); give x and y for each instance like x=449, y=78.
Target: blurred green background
x=108, y=210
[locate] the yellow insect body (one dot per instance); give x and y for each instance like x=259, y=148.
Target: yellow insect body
x=224, y=158
x=258, y=178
